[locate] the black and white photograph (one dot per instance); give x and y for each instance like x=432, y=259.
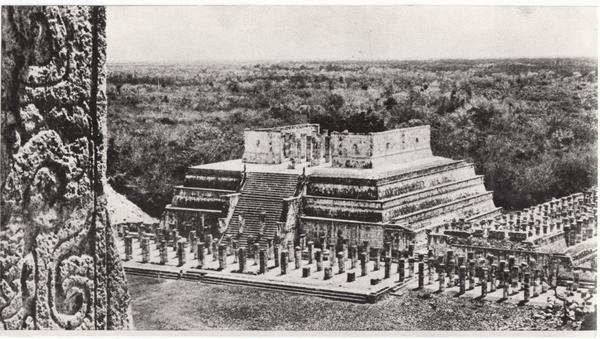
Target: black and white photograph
x=361, y=169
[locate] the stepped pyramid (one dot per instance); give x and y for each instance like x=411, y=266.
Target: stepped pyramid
x=383, y=188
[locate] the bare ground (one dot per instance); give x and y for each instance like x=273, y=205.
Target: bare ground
x=184, y=305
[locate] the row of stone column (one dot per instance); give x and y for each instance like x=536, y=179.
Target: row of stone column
x=574, y=214
x=468, y=272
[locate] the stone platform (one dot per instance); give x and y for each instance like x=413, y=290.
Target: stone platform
x=330, y=283
x=336, y=287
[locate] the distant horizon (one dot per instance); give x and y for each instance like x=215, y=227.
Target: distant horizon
x=242, y=61
x=167, y=34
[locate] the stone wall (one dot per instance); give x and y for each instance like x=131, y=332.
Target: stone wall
x=185, y=220
x=401, y=145
x=373, y=150
x=59, y=267
x=210, y=178
x=263, y=147
x=352, y=232
x=351, y=150
x=275, y=145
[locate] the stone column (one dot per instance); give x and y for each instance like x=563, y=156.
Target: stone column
x=501, y=268
x=471, y=274
x=421, y=267
x=470, y=256
x=401, y=270
x=461, y=261
x=297, y=257
x=290, y=249
x=228, y=245
x=158, y=237
x=163, y=252
x=234, y=248
x=222, y=254
x=209, y=244
x=353, y=252
x=302, y=241
x=367, y=249
x=543, y=282
x=145, y=249
x=430, y=269
x=327, y=273
x=269, y=249
x=451, y=272
x=322, y=245
x=511, y=262
x=262, y=257
x=128, y=247
x=140, y=233
x=200, y=254
x=462, y=272
x=174, y=239
x=331, y=256
x=536, y=275
x=387, y=266
x=490, y=260
x=492, y=277
x=449, y=256
x=484, y=281
x=514, y=282
x=506, y=279
x=284, y=262
x=193, y=243
x=442, y=276
x=576, y=280
x=363, y=264
x=311, y=247
x=276, y=254
x=181, y=252
x=319, y=259
x=526, y=291
x=242, y=259
x=255, y=253
x=521, y=272
x=376, y=263
x=411, y=267
x=341, y=263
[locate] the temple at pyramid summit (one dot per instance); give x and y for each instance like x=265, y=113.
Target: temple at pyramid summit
x=298, y=184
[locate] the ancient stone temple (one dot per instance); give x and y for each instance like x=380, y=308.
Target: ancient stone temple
x=297, y=184
x=59, y=267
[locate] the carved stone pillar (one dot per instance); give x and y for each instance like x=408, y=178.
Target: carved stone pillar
x=53, y=171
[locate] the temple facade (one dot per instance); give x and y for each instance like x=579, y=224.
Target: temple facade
x=297, y=184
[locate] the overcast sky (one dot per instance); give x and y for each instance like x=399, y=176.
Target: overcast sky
x=213, y=33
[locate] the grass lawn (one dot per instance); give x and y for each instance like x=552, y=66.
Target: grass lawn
x=182, y=305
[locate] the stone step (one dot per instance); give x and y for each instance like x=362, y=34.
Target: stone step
x=329, y=294
x=262, y=192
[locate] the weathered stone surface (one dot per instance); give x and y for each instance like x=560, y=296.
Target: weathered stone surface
x=60, y=266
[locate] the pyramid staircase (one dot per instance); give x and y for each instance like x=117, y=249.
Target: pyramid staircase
x=262, y=192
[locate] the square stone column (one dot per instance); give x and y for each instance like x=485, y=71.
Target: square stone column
x=53, y=172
